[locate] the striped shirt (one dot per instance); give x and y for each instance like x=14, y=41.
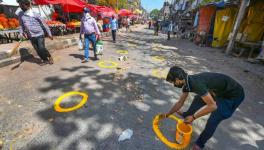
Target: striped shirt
x=33, y=25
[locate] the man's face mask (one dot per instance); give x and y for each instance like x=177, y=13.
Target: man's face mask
x=178, y=85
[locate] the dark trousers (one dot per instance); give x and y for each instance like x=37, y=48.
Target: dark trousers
x=39, y=45
x=114, y=35
x=169, y=35
x=225, y=109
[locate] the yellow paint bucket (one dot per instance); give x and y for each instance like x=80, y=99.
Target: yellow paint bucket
x=183, y=133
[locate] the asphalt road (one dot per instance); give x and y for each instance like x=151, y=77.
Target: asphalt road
x=126, y=97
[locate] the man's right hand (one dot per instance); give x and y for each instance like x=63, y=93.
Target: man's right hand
x=163, y=116
x=22, y=37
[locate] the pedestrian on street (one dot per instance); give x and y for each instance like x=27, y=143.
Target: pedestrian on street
x=149, y=24
x=34, y=28
x=127, y=24
x=114, y=27
x=91, y=33
x=170, y=29
x=157, y=27
x=217, y=94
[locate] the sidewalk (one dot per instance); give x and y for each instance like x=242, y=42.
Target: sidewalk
x=26, y=50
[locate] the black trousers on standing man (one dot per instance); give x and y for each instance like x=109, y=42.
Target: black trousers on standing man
x=39, y=45
x=169, y=35
x=114, y=35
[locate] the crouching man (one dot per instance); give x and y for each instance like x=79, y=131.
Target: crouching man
x=217, y=94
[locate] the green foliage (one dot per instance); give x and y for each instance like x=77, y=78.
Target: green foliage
x=113, y=3
x=209, y=1
x=154, y=13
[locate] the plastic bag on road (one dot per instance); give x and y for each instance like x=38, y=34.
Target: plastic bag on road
x=80, y=44
x=126, y=135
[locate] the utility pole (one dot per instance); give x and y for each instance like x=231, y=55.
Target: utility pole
x=239, y=19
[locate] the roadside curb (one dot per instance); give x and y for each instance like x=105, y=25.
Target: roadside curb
x=25, y=52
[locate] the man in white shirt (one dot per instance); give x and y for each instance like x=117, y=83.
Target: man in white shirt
x=170, y=29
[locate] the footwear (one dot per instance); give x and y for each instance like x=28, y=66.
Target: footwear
x=84, y=61
x=43, y=63
x=96, y=58
x=51, y=61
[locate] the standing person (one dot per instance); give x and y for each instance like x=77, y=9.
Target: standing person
x=157, y=27
x=127, y=24
x=119, y=22
x=114, y=27
x=34, y=28
x=217, y=94
x=149, y=24
x=170, y=29
x=100, y=24
x=91, y=32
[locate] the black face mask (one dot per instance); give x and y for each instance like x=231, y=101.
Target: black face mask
x=24, y=9
x=179, y=86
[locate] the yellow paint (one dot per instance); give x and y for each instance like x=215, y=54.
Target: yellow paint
x=58, y=108
x=122, y=52
x=158, y=58
x=102, y=64
x=183, y=133
x=158, y=73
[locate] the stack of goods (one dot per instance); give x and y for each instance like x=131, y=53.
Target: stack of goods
x=73, y=24
x=8, y=23
x=55, y=24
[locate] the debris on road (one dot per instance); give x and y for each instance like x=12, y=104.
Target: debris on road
x=51, y=119
x=123, y=58
x=126, y=135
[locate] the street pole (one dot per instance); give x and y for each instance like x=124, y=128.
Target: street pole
x=239, y=19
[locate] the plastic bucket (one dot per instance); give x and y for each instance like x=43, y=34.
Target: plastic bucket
x=183, y=133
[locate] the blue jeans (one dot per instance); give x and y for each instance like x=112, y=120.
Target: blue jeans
x=225, y=109
x=87, y=39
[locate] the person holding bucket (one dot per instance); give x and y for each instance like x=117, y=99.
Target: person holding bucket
x=91, y=33
x=216, y=93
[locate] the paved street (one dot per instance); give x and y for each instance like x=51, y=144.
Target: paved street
x=126, y=97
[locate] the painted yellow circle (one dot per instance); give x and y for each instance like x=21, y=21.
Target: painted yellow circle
x=102, y=64
x=155, y=126
x=58, y=108
x=158, y=58
x=158, y=73
x=123, y=52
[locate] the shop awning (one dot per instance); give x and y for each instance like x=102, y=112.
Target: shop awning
x=68, y=5
x=106, y=11
x=124, y=12
x=47, y=2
